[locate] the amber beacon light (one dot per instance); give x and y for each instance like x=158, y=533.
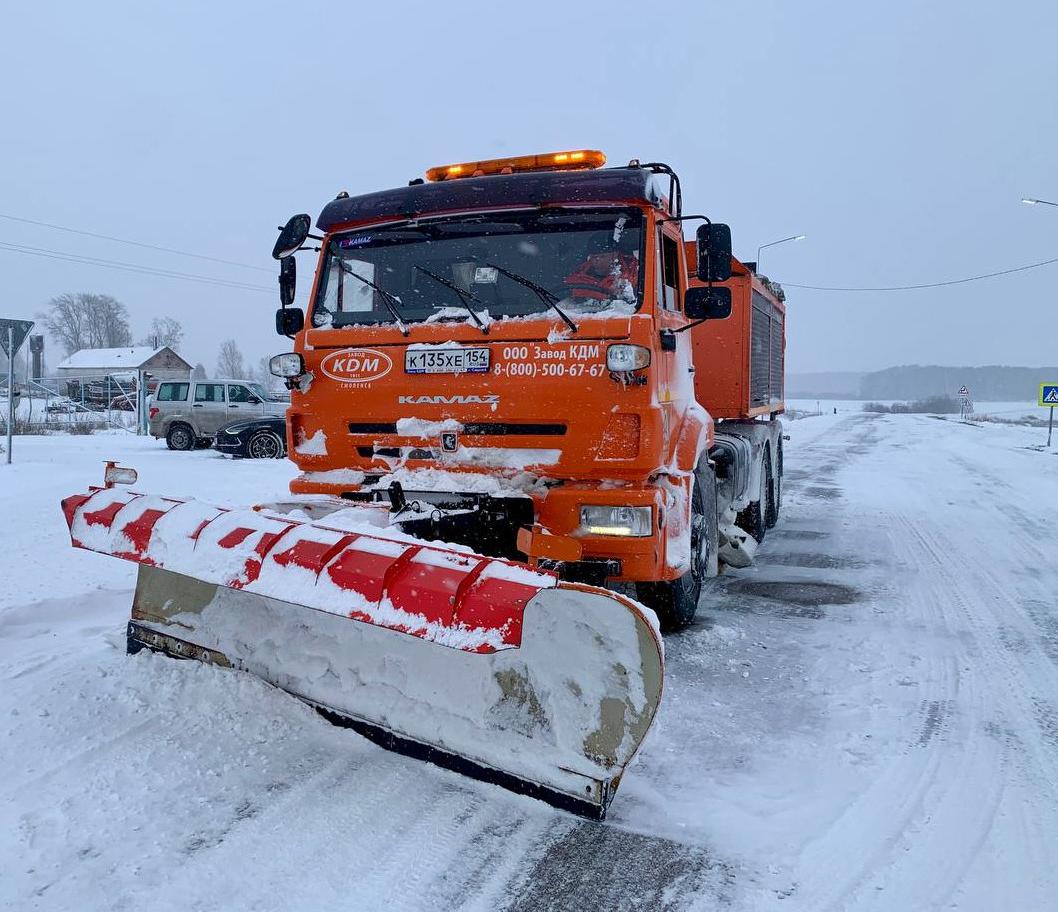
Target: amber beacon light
x=549, y=161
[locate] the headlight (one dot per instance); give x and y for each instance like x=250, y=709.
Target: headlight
x=627, y=357
x=629, y=521
x=233, y=429
x=289, y=364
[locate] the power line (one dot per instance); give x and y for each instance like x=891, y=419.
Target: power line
x=129, y=267
x=976, y=278
x=117, y=240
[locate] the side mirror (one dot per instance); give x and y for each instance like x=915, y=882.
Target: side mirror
x=289, y=321
x=288, y=280
x=714, y=253
x=707, y=303
x=292, y=236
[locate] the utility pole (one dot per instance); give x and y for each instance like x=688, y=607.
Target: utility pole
x=11, y=386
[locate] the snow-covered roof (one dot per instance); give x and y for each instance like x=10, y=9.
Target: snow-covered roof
x=118, y=358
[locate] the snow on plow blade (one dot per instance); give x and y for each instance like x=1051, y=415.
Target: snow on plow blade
x=476, y=664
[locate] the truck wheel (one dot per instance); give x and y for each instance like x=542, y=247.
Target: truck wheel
x=180, y=437
x=754, y=518
x=676, y=601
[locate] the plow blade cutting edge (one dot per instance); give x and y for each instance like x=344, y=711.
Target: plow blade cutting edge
x=477, y=664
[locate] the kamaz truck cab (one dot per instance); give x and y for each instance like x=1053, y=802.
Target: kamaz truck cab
x=505, y=354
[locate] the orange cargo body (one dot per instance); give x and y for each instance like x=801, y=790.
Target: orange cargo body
x=739, y=361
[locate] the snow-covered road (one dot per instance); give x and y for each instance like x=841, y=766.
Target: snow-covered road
x=866, y=721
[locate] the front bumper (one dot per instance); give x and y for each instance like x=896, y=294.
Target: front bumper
x=229, y=444
x=557, y=510
x=634, y=557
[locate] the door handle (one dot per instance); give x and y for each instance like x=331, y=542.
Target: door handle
x=197, y=405
x=232, y=406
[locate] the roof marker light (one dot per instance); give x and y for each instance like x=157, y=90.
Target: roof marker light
x=548, y=161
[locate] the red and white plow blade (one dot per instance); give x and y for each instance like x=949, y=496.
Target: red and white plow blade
x=475, y=663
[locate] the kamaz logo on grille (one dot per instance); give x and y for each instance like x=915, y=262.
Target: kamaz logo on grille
x=448, y=400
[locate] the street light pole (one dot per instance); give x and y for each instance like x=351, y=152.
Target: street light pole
x=793, y=237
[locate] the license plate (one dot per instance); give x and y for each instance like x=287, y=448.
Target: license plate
x=447, y=361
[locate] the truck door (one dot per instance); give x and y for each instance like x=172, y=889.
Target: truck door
x=673, y=369
x=208, y=411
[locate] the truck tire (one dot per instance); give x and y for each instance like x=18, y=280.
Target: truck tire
x=676, y=601
x=180, y=437
x=754, y=519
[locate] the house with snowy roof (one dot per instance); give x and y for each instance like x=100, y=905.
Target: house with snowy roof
x=161, y=363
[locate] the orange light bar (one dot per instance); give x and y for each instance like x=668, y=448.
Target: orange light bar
x=549, y=161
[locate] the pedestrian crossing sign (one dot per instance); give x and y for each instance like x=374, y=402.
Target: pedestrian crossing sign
x=1049, y=394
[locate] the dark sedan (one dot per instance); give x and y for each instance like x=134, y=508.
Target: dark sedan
x=254, y=438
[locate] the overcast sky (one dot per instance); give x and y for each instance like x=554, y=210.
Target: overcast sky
x=899, y=137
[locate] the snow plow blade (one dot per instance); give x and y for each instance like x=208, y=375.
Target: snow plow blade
x=479, y=665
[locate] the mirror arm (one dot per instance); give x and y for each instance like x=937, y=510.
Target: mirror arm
x=684, y=218
x=690, y=325
x=314, y=237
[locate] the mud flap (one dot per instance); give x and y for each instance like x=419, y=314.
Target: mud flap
x=559, y=718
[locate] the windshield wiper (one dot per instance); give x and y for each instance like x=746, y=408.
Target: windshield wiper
x=542, y=293
x=390, y=300
x=465, y=296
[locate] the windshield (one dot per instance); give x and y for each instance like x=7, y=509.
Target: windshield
x=587, y=259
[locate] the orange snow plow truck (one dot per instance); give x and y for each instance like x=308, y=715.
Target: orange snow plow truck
x=517, y=394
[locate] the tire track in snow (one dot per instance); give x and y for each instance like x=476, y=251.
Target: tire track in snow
x=964, y=605
x=856, y=862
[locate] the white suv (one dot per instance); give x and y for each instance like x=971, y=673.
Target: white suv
x=190, y=412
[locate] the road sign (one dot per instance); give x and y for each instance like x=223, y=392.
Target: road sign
x=1048, y=394
x=13, y=333
x=964, y=391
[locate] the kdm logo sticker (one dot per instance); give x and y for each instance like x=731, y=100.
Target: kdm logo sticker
x=356, y=365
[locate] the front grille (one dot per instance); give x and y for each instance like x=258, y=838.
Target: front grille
x=501, y=429
x=474, y=429
x=372, y=427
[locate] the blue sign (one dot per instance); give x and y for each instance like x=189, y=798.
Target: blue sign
x=1049, y=394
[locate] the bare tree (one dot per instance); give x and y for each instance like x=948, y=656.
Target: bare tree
x=165, y=331
x=85, y=320
x=199, y=373
x=230, y=361
x=264, y=375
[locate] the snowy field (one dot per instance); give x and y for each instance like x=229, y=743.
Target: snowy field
x=868, y=720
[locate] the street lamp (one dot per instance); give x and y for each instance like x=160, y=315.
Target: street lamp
x=794, y=237
x=1037, y=202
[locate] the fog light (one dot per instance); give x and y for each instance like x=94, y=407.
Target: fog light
x=289, y=364
x=621, y=358
x=627, y=521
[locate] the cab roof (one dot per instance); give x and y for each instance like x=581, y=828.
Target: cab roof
x=604, y=185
